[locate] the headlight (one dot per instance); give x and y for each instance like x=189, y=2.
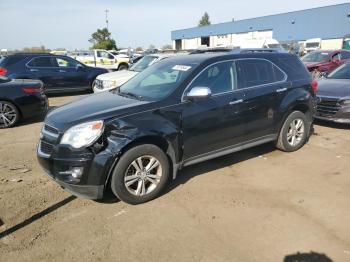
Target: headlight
x=346, y=102
x=83, y=135
x=109, y=84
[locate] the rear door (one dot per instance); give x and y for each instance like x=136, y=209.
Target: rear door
x=72, y=75
x=266, y=86
x=43, y=68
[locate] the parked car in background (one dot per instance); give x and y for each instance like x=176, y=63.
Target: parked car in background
x=58, y=73
x=333, y=96
x=323, y=61
x=178, y=112
x=20, y=99
x=115, y=79
x=102, y=59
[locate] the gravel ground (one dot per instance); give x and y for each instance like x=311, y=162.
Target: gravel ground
x=256, y=205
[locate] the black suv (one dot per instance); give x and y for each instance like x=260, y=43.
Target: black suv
x=176, y=113
x=58, y=73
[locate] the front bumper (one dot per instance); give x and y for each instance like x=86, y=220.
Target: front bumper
x=340, y=120
x=96, y=168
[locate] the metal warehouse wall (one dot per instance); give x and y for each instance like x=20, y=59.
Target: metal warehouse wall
x=324, y=22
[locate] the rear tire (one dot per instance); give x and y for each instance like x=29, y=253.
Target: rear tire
x=141, y=174
x=294, y=132
x=9, y=114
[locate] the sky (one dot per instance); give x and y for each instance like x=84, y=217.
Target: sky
x=133, y=23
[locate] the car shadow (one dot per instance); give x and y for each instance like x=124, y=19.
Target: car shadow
x=190, y=172
x=307, y=257
x=332, y=124
x=37, y=216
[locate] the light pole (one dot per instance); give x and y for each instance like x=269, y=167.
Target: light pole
x=107, y=18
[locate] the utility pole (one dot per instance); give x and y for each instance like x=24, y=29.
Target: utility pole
x=107, y=18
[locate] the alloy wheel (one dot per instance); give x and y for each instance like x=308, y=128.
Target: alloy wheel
x=8, y=115
x=143, y=175
x=295, y=132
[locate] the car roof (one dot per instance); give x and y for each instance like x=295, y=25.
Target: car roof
x=202, y=57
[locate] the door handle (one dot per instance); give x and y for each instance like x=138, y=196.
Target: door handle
x=34, y=70
x=62, y=71
x=236, y=102
x=281, y=90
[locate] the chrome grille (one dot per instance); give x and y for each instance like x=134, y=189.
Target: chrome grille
x=46, y=148
x=327, y=106
x=51, y=129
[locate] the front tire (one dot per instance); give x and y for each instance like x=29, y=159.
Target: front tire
x=9, y=114
x=141, y=174
x=294, y=132
x=123, y=67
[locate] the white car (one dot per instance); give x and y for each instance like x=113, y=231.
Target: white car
x=115, y=79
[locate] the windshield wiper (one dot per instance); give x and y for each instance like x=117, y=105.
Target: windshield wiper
x=131, y=95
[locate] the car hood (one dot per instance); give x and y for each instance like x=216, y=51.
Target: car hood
x=119, y=76
x=339, y=88
x=100, y=106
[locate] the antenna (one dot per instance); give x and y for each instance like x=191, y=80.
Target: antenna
x=107, y=18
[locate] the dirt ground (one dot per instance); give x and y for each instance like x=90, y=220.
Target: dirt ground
x=257, y=205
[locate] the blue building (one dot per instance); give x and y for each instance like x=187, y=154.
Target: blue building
x=330, y=23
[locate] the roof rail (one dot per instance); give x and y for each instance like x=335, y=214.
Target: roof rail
x=26, y=53
x=210, y=50
x=257, y=50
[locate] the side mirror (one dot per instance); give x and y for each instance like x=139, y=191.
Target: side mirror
x=200, y=92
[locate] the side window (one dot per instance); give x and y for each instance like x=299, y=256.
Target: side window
x=41, y=62
x=255, y=72
x=345, y=55
x=220, y=78
x=63, y=62
x=104, y=54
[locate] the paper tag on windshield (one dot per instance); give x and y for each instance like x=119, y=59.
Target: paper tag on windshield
x=181, y=68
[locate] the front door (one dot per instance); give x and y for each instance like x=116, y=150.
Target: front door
x=217, y=122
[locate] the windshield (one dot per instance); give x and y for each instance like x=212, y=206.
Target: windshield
x=156, y=82
x=143, y=63
x=4, y=79
x=342, y=72
x=315, y=57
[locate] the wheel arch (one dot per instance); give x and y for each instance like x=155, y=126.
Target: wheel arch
x=158, y=141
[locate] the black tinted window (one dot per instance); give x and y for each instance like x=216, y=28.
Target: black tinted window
x=11, y=60
x=293, y=66
x=254, y=72
x=220, y=78
x=345, y=55
x=41, y=62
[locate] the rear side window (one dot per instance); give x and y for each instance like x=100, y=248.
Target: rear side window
x=41, y=62
x=10, y=60
x=293, y=66
x=255, y=72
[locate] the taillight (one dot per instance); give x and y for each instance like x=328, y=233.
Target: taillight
x=314, y=86
x=3, y=71
x=31, y=90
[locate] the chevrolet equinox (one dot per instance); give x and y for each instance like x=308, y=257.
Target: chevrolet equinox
x=178, y=112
